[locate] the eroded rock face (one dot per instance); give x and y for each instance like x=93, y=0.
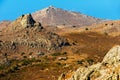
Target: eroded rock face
x=24, y=21
x=108, y=69
x=27, y=20
x=113, y=56
x=26, y=35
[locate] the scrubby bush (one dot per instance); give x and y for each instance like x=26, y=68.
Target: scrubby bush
x=30, y=53
x=58, y=63
x=64, y=53
x=56, y=54
x=80, y=62
x=73, y=26
x=86, y=29
x=24, y=57
x=106, y=24
x=22, y=53
x=106, y=33
x=90, y=61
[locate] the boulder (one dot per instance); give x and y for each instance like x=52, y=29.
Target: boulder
x=108, y=69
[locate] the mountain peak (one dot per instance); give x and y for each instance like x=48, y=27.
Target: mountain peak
x=51, y=7
x=56, y=16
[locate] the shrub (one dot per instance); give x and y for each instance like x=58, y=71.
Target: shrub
x=56, y=54
x=26, y=62
x=106, y=33
x=22, y=53
x=73, y=26
x=64, y=53
x=58, y=63
x=106, y=24
x=90, y=61
x=80, y=62
x=112, y=24
x=30, y=53
x=86, y=29
x=24, y=56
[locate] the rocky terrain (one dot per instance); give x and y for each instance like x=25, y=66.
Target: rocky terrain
x=25, y=35
x=52, y=16
x=53, y=42
x=108, y=69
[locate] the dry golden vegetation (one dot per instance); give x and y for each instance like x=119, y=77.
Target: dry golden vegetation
x=86, y=48
x=35, y=53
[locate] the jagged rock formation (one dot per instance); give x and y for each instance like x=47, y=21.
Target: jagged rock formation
x=52, y=16
x=27, y=20
x=108, y=69
x=24, y=21
x=26, y=35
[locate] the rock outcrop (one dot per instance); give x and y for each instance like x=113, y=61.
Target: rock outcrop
x=108, y=69
x=27, y=20
x=26, y=35
x=24, y=21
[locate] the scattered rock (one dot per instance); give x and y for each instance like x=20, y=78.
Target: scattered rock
x=62, y=58
x=40, y=54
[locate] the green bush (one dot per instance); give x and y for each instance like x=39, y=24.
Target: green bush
x=24, y=57
x=80, y=62
x=58, y=63
x=56, y=54
x=86, y=29
x=30, y=53
x=64, y=53
x=22, y=53
x=90, y=61
x=106, y=33
x=26, y=62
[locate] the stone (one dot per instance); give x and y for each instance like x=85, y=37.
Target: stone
x=62, y=58
x=40, y=54
x=27, y=21
x=113, y=56
x=108, y=69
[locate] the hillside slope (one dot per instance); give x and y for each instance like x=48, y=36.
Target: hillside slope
x=25, y=35
x=55, y=16
x=108, y=69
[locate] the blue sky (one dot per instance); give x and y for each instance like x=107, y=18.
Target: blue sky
x=106, y=9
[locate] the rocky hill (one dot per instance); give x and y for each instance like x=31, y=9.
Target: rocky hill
x=108, y=69
x=25, y=35
x=55, y=16
x=29, y=50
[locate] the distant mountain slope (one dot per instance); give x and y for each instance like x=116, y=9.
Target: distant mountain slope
x=108, y=27
x=55, y=16
x=4, y=24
